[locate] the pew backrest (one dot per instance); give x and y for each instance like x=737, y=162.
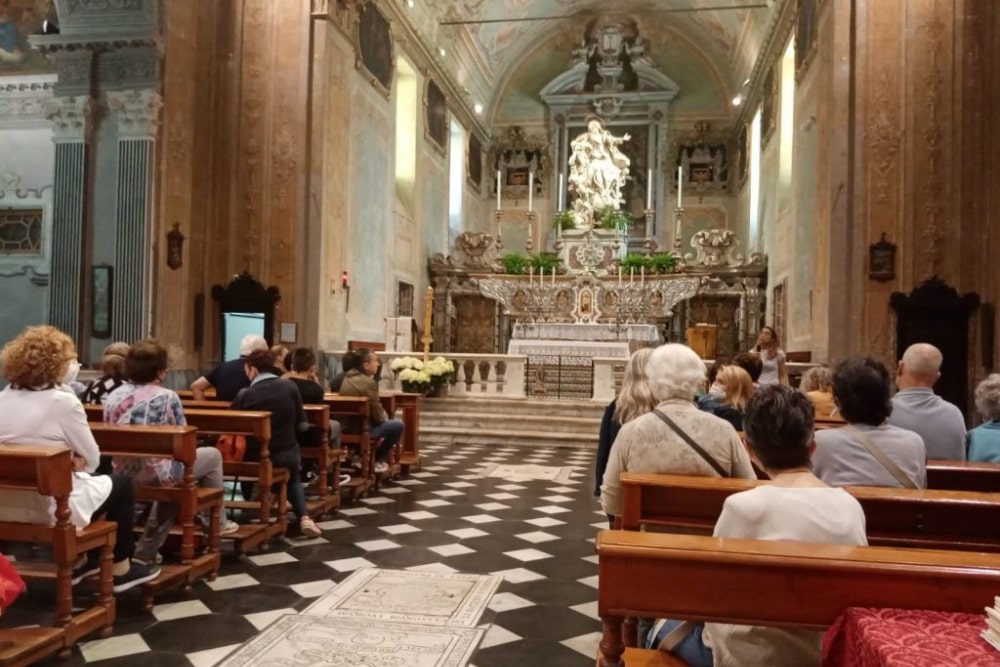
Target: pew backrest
x=47, y=469
x=177, y=442
x=964, y=476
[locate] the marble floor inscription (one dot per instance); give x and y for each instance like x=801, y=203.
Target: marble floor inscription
x=527, y=471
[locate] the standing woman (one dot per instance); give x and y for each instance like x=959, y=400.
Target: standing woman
x=634, y=399
x=772, y=357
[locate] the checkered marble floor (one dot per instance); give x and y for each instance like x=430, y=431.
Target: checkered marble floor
x=537, y=534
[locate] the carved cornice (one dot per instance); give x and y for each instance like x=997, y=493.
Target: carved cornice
x=71, y=117
x=138, y=113
x=24, y=101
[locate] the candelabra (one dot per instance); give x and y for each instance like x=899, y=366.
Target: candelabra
x=498, y=216
x=529, y=246
x=632, y=307
x=678, y=214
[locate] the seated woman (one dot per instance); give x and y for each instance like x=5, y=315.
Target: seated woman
x=142, y=401
x=984, y=440
x=270, y=393
x=737, y=388
x=112, y=372
x=660, y=441
x=794, y=506
x=817, y=384
x=868, y=451
x=302, y=371
x=34, y=411
x=635, y=398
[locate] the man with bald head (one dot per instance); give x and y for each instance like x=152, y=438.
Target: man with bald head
x=917, y=408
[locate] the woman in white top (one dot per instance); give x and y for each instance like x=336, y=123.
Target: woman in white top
x=35, y=409
x=772, y=357
x=794, y=506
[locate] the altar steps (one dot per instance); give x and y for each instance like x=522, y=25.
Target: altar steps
x=524, y=422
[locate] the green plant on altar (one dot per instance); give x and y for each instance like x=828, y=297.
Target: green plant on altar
x=545, y=262
x=636, y=261
x=663, y=262
x=514, y=264
x=564, y=220
x=613, y=218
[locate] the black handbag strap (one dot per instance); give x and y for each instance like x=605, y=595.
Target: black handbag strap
x=694, y=445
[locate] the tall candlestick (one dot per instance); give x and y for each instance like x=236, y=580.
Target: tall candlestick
x=499, y=227
x=428, y=306
x=631, y=274
x=642, y=274
x=562, y=194
x=531, y=275
x=619, y=275
x=649, y=188
x=680, y=185
x=531, y=189
x=498, y=189
x=553, y=276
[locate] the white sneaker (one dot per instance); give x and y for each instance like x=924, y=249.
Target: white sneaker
x=229, y=527
x=381, y=467
x=345, y=479
x=309, y=527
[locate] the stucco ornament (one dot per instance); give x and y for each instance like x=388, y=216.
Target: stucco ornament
x=598, y=171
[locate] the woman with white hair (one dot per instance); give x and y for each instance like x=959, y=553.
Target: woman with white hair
x=984, y=440
x=676, y=437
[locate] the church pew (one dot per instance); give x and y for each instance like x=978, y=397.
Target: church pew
x=319, y=420
x=772, y=583
x=409, y=406
x=959, y=520
x=48, y=471
x=964, y=476
x=20, y=647
x=179, y=443
x=350, y=410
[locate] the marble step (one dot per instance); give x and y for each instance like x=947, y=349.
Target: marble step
x=523, y=422
x=545, y=407
x=450, y=436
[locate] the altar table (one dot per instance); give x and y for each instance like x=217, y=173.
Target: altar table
x=568, y=348
x=643, y=333
x=906, y=637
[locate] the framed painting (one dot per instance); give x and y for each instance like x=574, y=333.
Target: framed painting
x=767, y=112
x=18, y=20
x=101, y=284
x=806, y=25
x=474, y=168
x=375, y=48
x=436, y=116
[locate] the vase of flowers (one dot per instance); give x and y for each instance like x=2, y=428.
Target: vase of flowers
x=440, y=371
x=411, y=374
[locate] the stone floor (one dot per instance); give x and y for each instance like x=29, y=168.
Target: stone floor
x=535, y=533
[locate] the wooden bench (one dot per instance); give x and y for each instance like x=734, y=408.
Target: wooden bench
x=48, y=471
x=179, y=443
x=964, y=476
x=782, y=584
x=353, y=410
x=409, y=407
x=959, y=520
x=319, y=421
x=20, y=647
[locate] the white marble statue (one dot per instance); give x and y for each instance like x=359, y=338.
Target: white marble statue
x=597, y=172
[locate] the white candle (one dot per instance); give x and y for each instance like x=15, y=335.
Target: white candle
x=619, y=275
x=680, y=185
x=642, y=274
x=498, y=189
x=562, y=194
x=531, y=189
x=553, y=276
x=531, y=274
x=649, y=189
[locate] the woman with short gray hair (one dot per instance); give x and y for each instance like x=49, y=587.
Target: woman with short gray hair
x=677, y=437
x=984, y=440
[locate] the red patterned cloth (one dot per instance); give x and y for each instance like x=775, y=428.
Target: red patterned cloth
x=907, y=638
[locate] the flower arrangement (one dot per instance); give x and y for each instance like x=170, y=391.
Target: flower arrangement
x=439, y=369
x=412, y=363
x=419, y=377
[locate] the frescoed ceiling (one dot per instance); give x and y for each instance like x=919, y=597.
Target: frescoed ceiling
x=498, y=36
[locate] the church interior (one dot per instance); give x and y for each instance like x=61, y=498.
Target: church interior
x=532, y=192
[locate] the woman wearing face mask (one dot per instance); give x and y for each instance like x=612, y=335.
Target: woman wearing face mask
x=36, y=409
x=737, y=388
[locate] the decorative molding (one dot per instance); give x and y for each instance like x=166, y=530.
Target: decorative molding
x=130, y=67
x=36, y=278
x=931, y=30
x=24, y=101
x=71, y=118
x=138, y=113
x=884, y=136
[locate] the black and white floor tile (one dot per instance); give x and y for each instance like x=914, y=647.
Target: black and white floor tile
x=535, y=533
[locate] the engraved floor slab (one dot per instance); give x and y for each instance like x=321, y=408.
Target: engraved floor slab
x=527, y=471
x=312, y=640
x=407, y=596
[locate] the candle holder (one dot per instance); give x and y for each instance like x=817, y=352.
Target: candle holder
x=529, y=245
x=678, y=216
x=498, y=216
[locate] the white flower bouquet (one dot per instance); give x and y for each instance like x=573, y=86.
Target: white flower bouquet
x=403, y=363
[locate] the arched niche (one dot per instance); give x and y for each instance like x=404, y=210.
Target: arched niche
x=241, y=304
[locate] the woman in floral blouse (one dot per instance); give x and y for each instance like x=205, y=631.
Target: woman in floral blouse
x=143, y=401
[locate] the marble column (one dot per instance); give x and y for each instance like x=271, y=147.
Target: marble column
x=138, y=113
x=71, y=118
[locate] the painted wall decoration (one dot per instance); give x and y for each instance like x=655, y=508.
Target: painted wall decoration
x=21, y=231
x=18, y=20
x=375, y=47
x=743, y=145
x=516, y=156
x=705, y=161
x=475, y=162
x=436, y=115
x=768, y=100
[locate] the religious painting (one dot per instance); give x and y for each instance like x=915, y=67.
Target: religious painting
x=18, y=20
x=436, y=116
x=767, y=115
x=515, y=158
x=744, y=149
x=806, y=25
x=705, y=166
x=375, y=47
x=475, y=162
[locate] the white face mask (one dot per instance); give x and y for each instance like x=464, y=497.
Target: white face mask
x=71, y=372
x=717, y=391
